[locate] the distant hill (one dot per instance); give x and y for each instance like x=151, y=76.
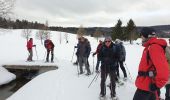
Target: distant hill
x=162, y=30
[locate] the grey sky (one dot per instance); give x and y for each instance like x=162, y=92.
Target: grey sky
x=94, y=12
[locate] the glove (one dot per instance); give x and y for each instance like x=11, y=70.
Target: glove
x=94, y=54
x=34, y=45
x=153, y=87
x=75, y=46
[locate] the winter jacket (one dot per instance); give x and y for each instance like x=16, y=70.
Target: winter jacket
x=98, y=48
x=83, y=49
x=108, y=56
x=48, y=44
x=29, y=44
x=122, y=52
x=158, y=59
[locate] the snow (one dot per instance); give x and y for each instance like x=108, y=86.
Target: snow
x=63, y=83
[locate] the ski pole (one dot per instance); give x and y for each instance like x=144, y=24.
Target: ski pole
x=93, y=65
x=128, y=71
x=78, y=66
x=93, y=79
x=36, y=52
x=72, y=55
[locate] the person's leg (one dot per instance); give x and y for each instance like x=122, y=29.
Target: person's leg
x=102, y=84
x=86, y=65
x=80, y=63
x=167, y=94
x=123, y=68
x=112, y=75
x=52, y=55
x=47, y=58
x=97, y=64
x=143, y=95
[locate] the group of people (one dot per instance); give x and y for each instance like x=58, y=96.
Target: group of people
x=153, y=71
x=48, y=44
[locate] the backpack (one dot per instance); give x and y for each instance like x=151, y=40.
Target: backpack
x=120, y=52
x=46, y=42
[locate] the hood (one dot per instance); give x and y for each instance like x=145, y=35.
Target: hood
x=154, y=40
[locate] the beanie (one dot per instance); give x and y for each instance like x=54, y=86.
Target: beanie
x=108, y=38
x=147, y=32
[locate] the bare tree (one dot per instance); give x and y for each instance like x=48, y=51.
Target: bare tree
x=26, y=33
x=66, y=37
x=6, y=7
x=42, y=35
x=97, y=34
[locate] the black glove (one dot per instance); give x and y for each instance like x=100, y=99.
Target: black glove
x=34, y=45
x=94, y=54
x=153, y=87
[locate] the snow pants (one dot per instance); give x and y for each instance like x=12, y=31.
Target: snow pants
x=52, y=55
x=144, y=95
x=120, y=63
x=167, y=94
x=30, y=55
x=81, y=61
x=104, y=73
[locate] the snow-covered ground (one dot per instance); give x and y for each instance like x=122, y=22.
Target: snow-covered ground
x=64, y=83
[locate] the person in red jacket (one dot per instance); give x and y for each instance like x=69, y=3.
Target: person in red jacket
x=50, y=48
x=153, y=68
x=29, y=48
x=97, y=52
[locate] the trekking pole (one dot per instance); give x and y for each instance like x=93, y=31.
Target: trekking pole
x=36, y=52
x=72, y=55
x=128, y=71
x=45, y=55
x=97, y=74
x=78, y=67
x=93, y=65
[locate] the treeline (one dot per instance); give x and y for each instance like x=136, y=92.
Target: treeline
x=128, y=32
x=19, y=24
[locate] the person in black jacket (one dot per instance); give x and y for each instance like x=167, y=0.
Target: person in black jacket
x=108, y=58
x=121, y=58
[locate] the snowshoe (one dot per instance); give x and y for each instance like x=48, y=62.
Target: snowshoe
x=125, y=79
x=102, y=97
x=114, y=98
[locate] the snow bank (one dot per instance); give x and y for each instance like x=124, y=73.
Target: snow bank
x=5, y=76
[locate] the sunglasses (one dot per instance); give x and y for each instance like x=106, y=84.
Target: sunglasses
x=107, y=41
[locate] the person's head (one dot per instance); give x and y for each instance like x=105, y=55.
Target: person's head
x=107, y=41
x=146, y=33
x=31, y=39
x=117, y=41
x=100, y=41
x=82, y=39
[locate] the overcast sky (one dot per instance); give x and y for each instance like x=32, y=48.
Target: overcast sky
x=94, y=12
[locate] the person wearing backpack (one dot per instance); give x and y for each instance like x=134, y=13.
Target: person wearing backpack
x=121, y=58
x=29, y=48
x=153, y=68
x=50, y=48
x=97, y=52
x=167, y=86
x=107, y=56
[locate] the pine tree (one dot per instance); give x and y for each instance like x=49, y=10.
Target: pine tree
x=117, y=31
x=130, y=31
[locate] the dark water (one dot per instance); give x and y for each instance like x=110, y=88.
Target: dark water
x=8, y=89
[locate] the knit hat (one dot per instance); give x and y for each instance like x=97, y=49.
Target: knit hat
x=108, y=38
x=147, y=32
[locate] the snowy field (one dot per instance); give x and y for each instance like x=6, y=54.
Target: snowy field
x=64, y=83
